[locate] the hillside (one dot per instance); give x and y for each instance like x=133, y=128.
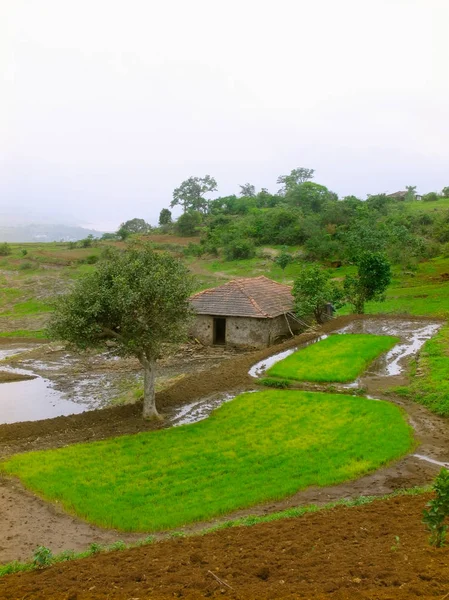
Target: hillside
x=44, y=233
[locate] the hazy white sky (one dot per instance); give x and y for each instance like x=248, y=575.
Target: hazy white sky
x=106, y=105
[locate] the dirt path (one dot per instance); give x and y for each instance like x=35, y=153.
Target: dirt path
x=28, y=522
x=372, y=552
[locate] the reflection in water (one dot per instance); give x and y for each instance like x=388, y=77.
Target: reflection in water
x=33, y=400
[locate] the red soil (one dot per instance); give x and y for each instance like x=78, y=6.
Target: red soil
x=377, y=552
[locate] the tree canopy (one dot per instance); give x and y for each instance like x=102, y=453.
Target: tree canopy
x=313, y=290
x=138, y=299
x=371, y=281
x=190, y=194
x=133, y=226
x=295, y=177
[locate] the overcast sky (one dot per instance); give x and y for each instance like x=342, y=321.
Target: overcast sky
x=106, y=106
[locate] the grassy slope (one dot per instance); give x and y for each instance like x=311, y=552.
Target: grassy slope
x=260, y=446
x=339, y=358
x=430, y=375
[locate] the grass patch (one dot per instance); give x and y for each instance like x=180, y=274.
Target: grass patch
x=258, y=447
x=30, y=307
x=25, y=333
x=429, y=375
x=340, y=358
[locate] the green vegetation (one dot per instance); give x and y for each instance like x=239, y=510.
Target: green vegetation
x=429, y=383
x=138, y=299
x=436, y=514
x=25, y=333
x=28, y=307
x=260, y=446
x=338, y=358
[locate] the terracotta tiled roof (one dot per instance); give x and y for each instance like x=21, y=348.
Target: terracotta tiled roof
x=257, y=297
x=397, y=195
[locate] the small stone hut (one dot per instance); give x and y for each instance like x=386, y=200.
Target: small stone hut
x=247, y=312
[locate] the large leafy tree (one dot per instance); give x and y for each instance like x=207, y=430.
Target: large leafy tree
x=138, y=299
x=370, y=283
x=190, y=194
x=313, y=290
x=295, y=177
x=135, y=226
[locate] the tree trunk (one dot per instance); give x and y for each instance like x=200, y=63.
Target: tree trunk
x=149, y=395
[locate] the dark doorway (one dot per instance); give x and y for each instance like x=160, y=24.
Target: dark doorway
x=219, y=331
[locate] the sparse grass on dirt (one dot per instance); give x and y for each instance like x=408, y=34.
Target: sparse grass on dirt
x=429, y=382
x=247, y=521
x=260, y=446
x=339, y=358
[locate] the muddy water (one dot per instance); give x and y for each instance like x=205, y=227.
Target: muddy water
x=34, y=399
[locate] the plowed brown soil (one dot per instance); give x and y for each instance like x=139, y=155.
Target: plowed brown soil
x=376, y=552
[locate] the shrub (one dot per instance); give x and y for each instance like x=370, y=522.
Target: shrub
x=239, y=250
x=24, y=252
x=437, y=511
x=5, y=249
x=92, y=259
x=275, y=383
x=194, y=250
x=25, y=266
x=42, y=557
x=430, y=197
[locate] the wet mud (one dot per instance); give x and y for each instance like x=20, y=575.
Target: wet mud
x=26, y=525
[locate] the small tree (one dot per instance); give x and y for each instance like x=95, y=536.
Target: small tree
x=139, y=299
x=165, y=217
x=436, y=514
x=5, y=249
x=372, y=279
x=445, y=192
x=188, y=222
x=248, y=190
x=411, y=192
x=283, y=259
x=313, y=290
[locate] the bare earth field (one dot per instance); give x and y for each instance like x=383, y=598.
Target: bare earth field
x=376, y=552
x=342, y=553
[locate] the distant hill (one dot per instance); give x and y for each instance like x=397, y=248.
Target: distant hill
x=45, y=233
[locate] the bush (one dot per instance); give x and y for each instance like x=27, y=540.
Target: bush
x=92, y=259
x=239, y=250
x=24, y=252
x=5, y=249
x=194, y=250
x=42, y=557
x=275, y=383
x=437, y=512
x=26, y=266
x=430, y=197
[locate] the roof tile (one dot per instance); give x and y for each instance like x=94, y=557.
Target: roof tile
x=257, y=297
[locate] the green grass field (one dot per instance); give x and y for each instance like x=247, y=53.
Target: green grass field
x=338, y=358
x=260, y=446
x=429, y=383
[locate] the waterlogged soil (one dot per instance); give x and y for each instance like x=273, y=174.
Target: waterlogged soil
x=68, y=383
x=29, y=522
x=377, y=551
